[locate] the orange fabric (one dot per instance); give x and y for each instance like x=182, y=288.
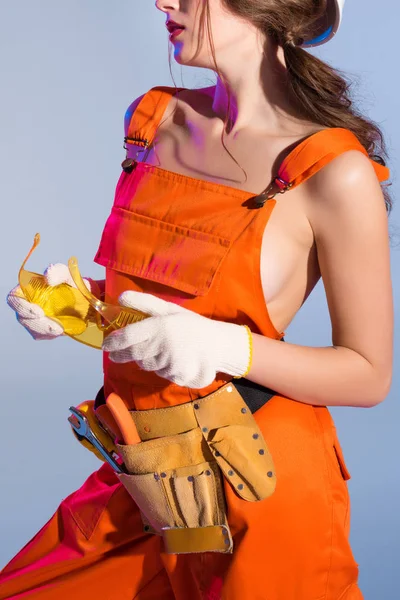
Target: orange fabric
x=147, y=116
x=198, y=244
x=318, y=150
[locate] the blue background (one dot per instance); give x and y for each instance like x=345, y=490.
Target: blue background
x=68, y=72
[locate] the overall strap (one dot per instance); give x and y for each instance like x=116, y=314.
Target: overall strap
x=310, y=155
x=148, y=114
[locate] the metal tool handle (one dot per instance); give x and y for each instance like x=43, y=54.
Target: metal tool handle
x=83, y=429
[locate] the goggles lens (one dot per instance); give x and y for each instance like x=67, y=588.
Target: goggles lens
x=83, y=316
x=115, y=315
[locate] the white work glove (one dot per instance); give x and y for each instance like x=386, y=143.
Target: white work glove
x=178, y=344
x=31, y=315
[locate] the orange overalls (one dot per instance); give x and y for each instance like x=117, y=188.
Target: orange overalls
x=198, y=244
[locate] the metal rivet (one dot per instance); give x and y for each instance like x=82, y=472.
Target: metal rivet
x=261, y=452
x=208, y=473
x=240, y=486
x=217, y=453
x=229, y=389
x=244, y=410
x=128, y=165
x=270, y=474
x=230, y=473
x=163, y=474
x=190, y=478
x=147, y=429
x=255, y=436
x=156, y=476
x=227, y=542
x=196, y=406
x=204, y=430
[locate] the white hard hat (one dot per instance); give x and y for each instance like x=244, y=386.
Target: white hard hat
x=328, y=25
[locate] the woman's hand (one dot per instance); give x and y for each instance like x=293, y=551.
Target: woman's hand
x=179, y=344
x=30, y=315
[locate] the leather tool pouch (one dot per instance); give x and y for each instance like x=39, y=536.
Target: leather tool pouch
x=175, y=473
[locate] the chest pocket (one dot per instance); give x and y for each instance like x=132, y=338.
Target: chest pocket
x=166, y=253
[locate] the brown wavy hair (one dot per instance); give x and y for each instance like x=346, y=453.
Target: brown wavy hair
x=319, y=92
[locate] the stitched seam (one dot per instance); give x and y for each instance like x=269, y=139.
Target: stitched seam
x=82, y=560
x=168, y=440
x=329, y=496
x=184, y=406
x=146, y=585
x=193, y=234
x=85, y=529
x=347, y=508
x=260, y=224
x=177, y=407
x=344, y=593
x=201, y=183
x=185, y=287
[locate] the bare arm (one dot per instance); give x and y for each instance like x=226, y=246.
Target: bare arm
x=348, y=216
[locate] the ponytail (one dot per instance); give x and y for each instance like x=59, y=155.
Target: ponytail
x=322, y=95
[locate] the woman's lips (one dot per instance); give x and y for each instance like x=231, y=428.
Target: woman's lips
x=175, y=33
x=174, y=29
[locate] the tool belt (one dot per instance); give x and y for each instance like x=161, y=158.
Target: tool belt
x=175, y=475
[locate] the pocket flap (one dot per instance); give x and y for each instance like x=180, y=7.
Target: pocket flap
x=176, y=256
x=340, y=457
x=165, y=453
x=245, y=461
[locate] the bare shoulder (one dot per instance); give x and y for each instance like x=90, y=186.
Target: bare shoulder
x=192, y=102
x=352, y=172
x=345, y=201
x=347, y=213
x=194, y=96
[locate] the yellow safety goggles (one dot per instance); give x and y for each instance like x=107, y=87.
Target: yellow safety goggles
x=84, y=317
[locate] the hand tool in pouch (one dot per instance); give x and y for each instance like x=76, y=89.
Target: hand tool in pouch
x=122, y=416
x=82, y=428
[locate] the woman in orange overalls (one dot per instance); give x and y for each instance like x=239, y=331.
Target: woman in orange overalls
x=188, y=230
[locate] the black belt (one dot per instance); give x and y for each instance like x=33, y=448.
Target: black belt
x=253, y=394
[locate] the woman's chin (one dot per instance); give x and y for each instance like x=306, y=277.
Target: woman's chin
x=179, y=59
x=188, y=60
